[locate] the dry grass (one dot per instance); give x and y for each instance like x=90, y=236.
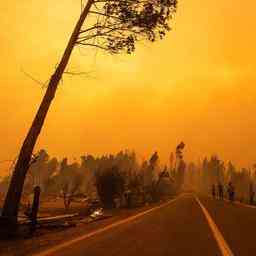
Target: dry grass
x=56, y=207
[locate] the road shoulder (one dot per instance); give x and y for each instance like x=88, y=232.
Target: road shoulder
x=43, y=241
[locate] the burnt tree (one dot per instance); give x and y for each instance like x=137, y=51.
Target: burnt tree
x=117, y=26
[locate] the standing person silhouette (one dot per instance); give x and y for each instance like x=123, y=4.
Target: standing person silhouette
x=231, y=192
x=220, y=190
x=251, y=194
x=213, y=191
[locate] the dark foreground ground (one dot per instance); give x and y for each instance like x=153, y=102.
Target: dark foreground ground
x=49, y=237
x=179, y=228
x=237, y=224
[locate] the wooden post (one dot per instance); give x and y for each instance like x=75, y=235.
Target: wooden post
x=34, y=210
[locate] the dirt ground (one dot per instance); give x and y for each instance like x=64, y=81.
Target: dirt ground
x=56, y=207
x=52, y=207
x=47, y=237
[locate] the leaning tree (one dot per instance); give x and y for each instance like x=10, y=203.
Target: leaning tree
x=113, y=26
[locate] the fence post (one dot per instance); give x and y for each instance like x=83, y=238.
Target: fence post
x=34, y=210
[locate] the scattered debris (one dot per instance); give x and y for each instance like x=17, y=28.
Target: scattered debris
x=97, y=213
x=45, y=220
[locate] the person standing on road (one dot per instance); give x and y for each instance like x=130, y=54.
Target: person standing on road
x=220, y=189
x=213, y=191
x=251, y=194
x=231, y=192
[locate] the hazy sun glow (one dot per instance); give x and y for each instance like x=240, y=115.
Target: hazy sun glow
x=197, y=85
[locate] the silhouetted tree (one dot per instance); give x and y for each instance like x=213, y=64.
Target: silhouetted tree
x=171, y=162
x=70, y=180
x=40, y=171
x=149, y=169
x=165, y=183
x=191, y=176
x=110, y=184
x=118, y=25
x=180, y=166
x=180, y=174
x=231, y=170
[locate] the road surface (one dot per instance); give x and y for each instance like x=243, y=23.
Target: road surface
x=186, y=226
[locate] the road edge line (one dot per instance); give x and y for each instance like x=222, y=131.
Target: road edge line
x=51, y=251
x=222, y=244
x=235, y=202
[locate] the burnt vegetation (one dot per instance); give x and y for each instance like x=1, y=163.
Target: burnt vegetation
x=110, y=25
x=114, y=180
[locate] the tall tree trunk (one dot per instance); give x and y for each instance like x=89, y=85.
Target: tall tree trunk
x=12, y=200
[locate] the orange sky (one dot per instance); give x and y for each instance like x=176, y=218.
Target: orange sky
x=197, y=85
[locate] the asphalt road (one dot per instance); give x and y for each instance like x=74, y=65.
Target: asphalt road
x=237, y=223
x=179, y=228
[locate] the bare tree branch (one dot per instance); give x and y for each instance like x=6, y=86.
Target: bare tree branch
x=104, y=14
x=43, y=85
x=94, y=45
x=77, y=73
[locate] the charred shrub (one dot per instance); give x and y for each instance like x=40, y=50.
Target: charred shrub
x=110, y=184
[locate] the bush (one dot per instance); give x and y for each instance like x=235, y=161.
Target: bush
x=110, y=184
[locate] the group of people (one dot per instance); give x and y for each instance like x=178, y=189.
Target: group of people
x=218, y=191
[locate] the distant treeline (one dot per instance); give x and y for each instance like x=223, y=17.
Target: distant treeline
x=116, y=174
x=213, y=171
x=107, y=177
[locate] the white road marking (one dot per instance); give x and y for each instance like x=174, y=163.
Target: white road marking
x=52, y=251
x=235, y=202
x=223, y=246
x=241, y=204
x=245, y=205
